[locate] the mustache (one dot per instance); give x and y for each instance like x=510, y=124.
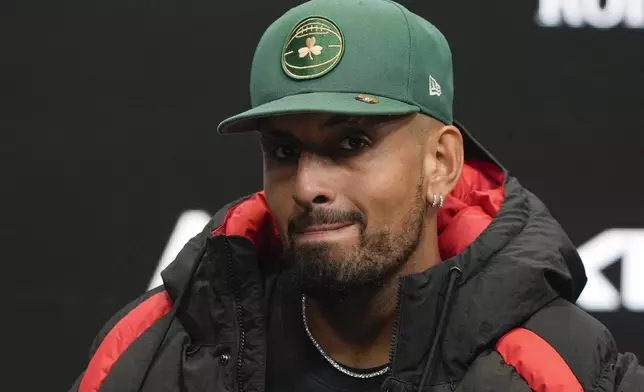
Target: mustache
x=323, y=217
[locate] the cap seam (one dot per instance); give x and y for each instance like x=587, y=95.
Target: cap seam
x=409, y=70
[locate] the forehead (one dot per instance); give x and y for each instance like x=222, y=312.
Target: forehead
x=293, y=123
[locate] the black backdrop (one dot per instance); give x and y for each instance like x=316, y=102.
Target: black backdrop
x=107, y=137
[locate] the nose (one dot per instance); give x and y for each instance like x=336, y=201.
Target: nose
x=313, y=183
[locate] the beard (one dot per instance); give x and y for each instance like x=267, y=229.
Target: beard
x=326, y=272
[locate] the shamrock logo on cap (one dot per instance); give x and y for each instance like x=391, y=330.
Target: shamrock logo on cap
x=310, y=48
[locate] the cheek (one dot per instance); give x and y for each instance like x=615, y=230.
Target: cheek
x=280, y=202
x=389, y=193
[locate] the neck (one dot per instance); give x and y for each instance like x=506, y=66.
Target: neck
x=357, y=331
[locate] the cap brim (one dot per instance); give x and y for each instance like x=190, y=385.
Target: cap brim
x=319, y=102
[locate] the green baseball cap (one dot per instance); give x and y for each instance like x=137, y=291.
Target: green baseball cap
x=353, y=57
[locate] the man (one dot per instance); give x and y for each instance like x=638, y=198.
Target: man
x=388, y=251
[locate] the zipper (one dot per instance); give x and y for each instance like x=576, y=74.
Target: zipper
x=394, y=331
x=239, y=315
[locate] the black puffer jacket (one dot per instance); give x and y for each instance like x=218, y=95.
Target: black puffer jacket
x=495, y=315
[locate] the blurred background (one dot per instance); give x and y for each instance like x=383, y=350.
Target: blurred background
x=110, y=159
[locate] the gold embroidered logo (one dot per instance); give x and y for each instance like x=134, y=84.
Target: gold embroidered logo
x=313, y=48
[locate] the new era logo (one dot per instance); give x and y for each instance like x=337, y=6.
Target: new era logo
x=434, y=87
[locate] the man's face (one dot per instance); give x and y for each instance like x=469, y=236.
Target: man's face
x=348, y=196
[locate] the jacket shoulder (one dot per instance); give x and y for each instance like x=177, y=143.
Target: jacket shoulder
x=120, y=332
x=119, y=315
x=563, y=343
x=560, y=347
x=584, y=343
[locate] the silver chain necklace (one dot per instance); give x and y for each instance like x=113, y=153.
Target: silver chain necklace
x=333, y=363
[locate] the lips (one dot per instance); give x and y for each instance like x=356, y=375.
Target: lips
x=324, y=228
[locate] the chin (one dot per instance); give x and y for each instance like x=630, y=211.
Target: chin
x=328, y=253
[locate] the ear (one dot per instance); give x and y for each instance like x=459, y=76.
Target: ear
x=443, y=161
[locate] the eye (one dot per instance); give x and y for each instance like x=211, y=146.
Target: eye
x=285, y=152
x=353, y=143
